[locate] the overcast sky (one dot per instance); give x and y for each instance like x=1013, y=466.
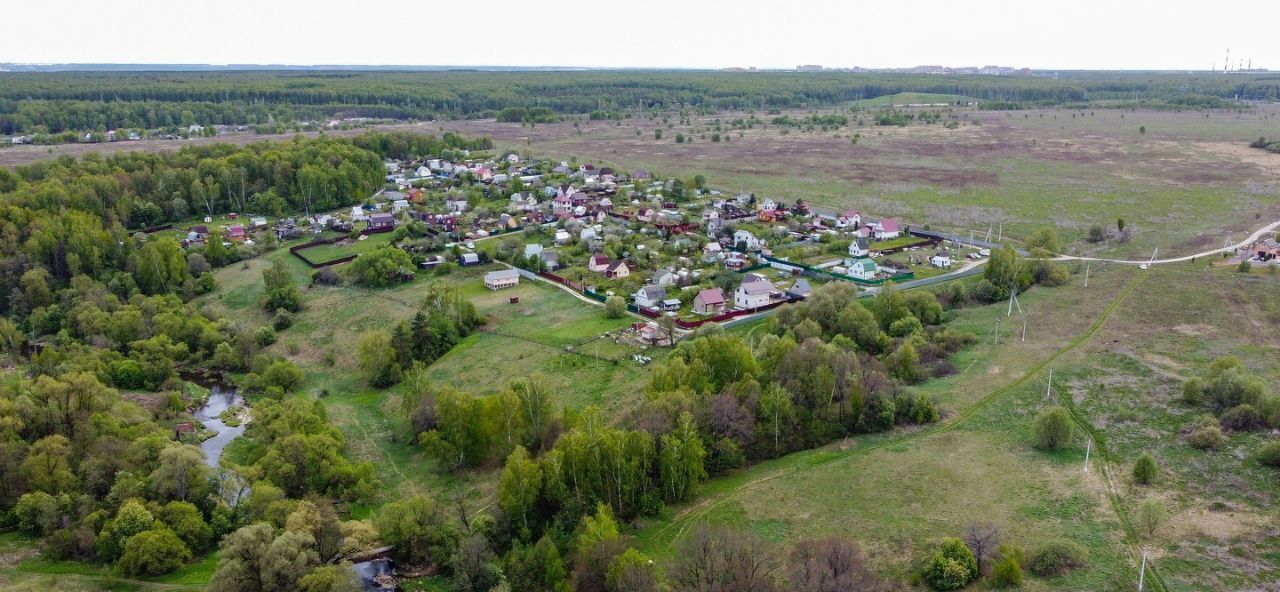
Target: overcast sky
x=1083, y=34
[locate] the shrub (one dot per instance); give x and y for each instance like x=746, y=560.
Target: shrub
x=1145, y=469
x=615, y=307
x=1057, y=558
x=1269, y=455
x=1007, y=571
x=1242, y=418
x=283, y=320
x=1207, y=438
x=264, y=336
x=153, y=552
x=1151, y=514
x=1193, y=391
x=1053, y=428
x=952, y=567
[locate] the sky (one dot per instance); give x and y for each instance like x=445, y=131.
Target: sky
x=1082, y=34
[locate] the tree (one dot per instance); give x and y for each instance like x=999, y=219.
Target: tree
x=418, y=529
x=657, y=133
x=536, y=568
x=831, y=564
x=632, y=572
x=1150, y=516
x=240, y=559
x=680, y=460
x=982, y=539
x=520, y=486
x=1044, y=238
x=281, y=291
x=721, y=558
x=331, y=578
x=287, y=559
x=474, y=565
x=378, y=359
x=679, y=138
x=776, y=415
x=153, y=552
x=182, y=473
x=1120, y=224
x=597, y=543
x=47, y=466
x=382, y=267
x=184, y=519
x=952, y=566
x=1053, y=428
x=1097, y=234
x=1145, y=469
x=615, y=307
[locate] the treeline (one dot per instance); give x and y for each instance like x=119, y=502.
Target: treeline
x=59, y=100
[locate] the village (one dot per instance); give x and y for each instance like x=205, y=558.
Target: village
x=670, y=248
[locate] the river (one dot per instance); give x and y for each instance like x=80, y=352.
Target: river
x=220, y=399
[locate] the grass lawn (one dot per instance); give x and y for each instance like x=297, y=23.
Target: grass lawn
x=322, y=253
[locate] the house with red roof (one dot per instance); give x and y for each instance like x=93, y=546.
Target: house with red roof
x=598, y=263
x=709, y=301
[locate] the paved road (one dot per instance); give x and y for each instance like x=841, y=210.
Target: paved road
x=1244, y=243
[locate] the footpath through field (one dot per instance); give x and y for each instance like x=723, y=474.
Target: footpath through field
x=1253, y=238
x=687, y=517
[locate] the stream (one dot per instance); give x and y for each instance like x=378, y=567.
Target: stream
x=220, y=399
x=223, y=397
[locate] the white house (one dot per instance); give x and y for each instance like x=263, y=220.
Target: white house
x=532, y=250
x=399, y=204
x=941, y=259
x=422, y=171
x=357, y=213
x=711, y=252
x=863, y=269
x=563, y=237
x=664, y=277
x=768, y=204
x=650, y=296
x=745, y=240
x=506, y=278
x=887, y=229
x=755, y=291
x=858, y=248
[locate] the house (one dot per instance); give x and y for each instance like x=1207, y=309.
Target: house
x=711, y=252
x=381, y=222
x=863, y=269
x=456, y=205
x=563, y=237
x=257, y=223
x=470, y=259
x=551, y=259
x=588, y=234
x=399, y=204
x=745, y=241
x=506, y=278
x=736, y=261
x=941, y=259
x=671, y=304
x=357, y=213
x=755, y=291
x=709, y=301
x=858, y=248
x=617, y=269
x=887, y=229
x=849, y=218
x=195, y=129
x=650, y=296
x=532, y=250
x=652, y=334
x=768, y=204
x=235, y=233
x=598, y=263
x=800, y=289
x=664, y=277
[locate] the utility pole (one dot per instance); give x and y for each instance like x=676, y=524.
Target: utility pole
x=996, y=335
x=1024, y=328
x=1086, y=274
x=1048, y=392
x=1088, y=447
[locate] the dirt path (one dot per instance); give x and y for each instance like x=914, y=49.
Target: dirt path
x=1244, y=243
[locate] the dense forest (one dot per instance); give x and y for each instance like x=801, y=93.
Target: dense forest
x=57, y=102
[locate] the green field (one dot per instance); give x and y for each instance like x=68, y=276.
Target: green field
x=915, y=98
x=323, y=253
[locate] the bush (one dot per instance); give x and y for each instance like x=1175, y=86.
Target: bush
x=952, y=567
x=264, y=336
x=1053, y=428
x=1242, y=418
x=615, y=307
x=1193, y=391
x=1269, y=455
x=283, y=320
x=1145, y=469
x=1007, y=571
x=153, y=552
x=905, y=326
x=1058, y=558
x=1207, y=438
